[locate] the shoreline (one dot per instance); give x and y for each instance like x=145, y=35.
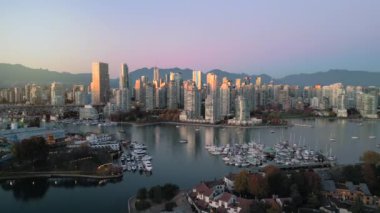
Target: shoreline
x=202, y=124
x=4, y=176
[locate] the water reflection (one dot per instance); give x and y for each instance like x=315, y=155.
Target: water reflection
x=29, y=189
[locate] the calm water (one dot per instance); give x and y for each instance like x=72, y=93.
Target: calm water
x=187, y=164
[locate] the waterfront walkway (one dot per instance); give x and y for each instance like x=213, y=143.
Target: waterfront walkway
x=54, y=174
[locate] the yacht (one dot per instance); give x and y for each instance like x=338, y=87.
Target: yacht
x=146, y=158
x=197, y=129
x=272, y=131
x=183, y=141
x=371, y=137
x=148, y=165
x=354, y=137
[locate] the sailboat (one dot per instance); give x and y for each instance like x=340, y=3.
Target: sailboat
x=331, y=137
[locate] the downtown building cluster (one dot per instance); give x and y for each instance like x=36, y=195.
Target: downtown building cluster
x=217, y=99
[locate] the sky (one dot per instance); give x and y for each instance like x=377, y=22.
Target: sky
x=271, y=37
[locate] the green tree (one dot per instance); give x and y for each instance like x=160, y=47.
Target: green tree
x=358, y=206
x=169, y=191
x=258, y=207
x=142, y=194
x=33, y=149
x=313, y=201
x=155, y=194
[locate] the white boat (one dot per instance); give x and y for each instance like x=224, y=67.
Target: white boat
x=354, y=137
x=146, y=158
x=196, y=129
x=378, y=145
x=148, y=166
x=371, y=137
x=245, y=164
x=183, y=141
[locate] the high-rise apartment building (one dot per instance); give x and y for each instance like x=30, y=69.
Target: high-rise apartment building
x=124, y=77
x=197, y=78
x=192, y=100
x=100, y=85
x=57, y=94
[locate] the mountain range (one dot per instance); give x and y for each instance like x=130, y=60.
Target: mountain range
x=18, y=75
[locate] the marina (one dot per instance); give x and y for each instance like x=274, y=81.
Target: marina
x=254, y=154
x=136, y=158
x=187, y=164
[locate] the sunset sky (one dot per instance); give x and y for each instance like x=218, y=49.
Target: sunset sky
x=272, y=37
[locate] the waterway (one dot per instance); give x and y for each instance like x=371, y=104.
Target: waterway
x=185, y=164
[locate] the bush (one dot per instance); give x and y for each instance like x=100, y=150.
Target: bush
x=142, y=194
x=170, y=206
x=141, y=205
x=155, y=194
x=169, y=191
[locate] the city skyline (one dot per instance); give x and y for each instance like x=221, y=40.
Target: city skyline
x=287, y=38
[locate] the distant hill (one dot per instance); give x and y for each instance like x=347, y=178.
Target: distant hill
x=355, y=78
x=17, y=75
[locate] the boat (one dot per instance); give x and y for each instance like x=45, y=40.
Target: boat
x=183, y=141
x=272, y=131
x=148, y=166
x=103, y=182
x=177, y=126
x=354, y=137
x=146, y=158
x=378, y=145
x=371, y=137
x=196, y=129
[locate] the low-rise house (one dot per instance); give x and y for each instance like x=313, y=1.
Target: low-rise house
x=348, y=192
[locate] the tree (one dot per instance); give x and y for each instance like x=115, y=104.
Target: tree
x=258, y=207
x=369, y=174
x=169, y=191
x=258, y=186
x=142, y=205
x=142, y=194
x=155, y=194
x=313, y=181
x=275, y=180
x=295, y=195
x=371, y=157
x=241, y=182
x=358, y=206
x=313, y=201
x=33, y=149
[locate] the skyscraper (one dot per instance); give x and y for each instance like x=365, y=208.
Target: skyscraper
x=124, y=78
x=212, y=83
x=225, y=99
x=57, y=94
x=241, y=109
x=192, y=102
x=156, y=75
x=197, y=78
x=258, y=81
x=100, y=85
x=172, y=95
